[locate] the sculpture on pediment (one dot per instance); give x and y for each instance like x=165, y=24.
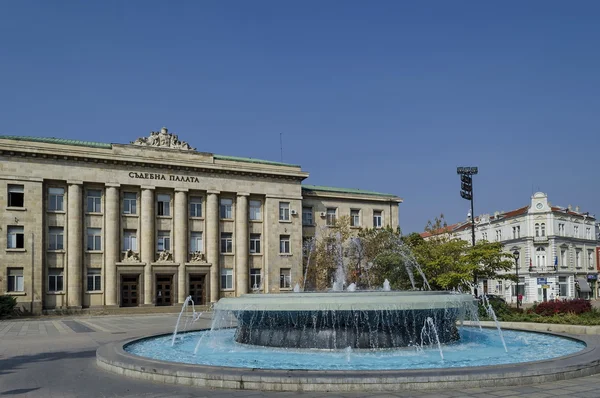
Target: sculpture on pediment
x=165, y=256
x=197, y=257
x=131, y=257
x=163, y=139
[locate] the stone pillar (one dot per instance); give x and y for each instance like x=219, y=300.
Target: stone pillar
x=111, y=243
x=241, y=244
x=74, y=244
x=181, y=240
x=148, y=249
x=212, y=243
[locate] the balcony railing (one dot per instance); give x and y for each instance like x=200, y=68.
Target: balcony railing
x=540, y=239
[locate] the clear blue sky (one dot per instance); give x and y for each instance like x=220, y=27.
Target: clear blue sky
x=388, y=96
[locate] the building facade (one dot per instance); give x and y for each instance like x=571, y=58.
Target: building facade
x=556, y=246
x=151, y=222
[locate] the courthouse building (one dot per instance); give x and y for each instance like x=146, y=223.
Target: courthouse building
x=89, y=224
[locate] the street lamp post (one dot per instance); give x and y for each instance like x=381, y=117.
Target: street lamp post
x=516, y=254
x=466, y=192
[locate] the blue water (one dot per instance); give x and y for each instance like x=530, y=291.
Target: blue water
x=476, y=348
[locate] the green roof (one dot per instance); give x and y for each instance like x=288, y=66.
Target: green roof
x=345, y=190
x=90, y=144
x=252, y=160
x=60, y=141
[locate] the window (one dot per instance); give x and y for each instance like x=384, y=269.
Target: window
x=498, y=235
x=164, y=205
x=255, y=278
x=590, y=259
x=196, y=242
x=540, y=257
x=377, y=219
x=331, y=216
x=578, y=258
x=94, y=280
x=516, y=232
x=255, y=210
x=561, y=229
x=588, y=233
x=129, y=203
x=576, y=231
x=16, y=237
x=195, y=206
x=355, y=218
x=564, y=286
x=164, y=241
x=55, y=280
x=285, y=278
x=15, y=280
x=284, y=211
x=130, y=240
x=284, y=244
x=484, y=235
x=537, y=230
x=307, y=216
x=254, y=243
x=56, y=238
x=225, y=208
x=16, y=195
x=226, y=278
x=226, y=242
x=563, y=258
x=543, y=229
x=56, y=197
x=94, y=201
x=94, y=239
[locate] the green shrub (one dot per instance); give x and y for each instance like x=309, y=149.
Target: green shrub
x=7, y=305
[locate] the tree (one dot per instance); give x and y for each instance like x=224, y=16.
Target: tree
x=450, y=263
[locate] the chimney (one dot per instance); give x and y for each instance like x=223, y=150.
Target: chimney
x=569, y=207
x=576, y=209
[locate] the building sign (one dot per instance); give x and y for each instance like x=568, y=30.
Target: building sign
x=542, y=281
x=163, y=177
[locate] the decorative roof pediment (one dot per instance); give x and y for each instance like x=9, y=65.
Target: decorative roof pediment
x=163, y=139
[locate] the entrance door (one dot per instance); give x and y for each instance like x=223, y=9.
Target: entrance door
x=163, y=289
x=129, y=290
x=545, y=293
x=196, y=289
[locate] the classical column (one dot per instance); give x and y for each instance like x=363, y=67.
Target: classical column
x=241, y=244
x=111, y=244
x=147, y=240
x=74, y=244
x=212, y=242
x=181, y=239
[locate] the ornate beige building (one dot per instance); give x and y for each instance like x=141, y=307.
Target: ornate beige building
x=90, y=224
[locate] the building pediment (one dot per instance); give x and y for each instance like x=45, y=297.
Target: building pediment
x=163, y=139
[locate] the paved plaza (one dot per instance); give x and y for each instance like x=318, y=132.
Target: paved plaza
x=55, y=357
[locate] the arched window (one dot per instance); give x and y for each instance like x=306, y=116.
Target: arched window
x=540, y=257
x=543, y=225
x=537, y=229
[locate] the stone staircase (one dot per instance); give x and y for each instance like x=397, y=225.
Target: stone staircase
x=174, y=309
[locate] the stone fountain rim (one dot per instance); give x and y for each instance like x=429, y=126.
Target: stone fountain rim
x=343, y=300
x=113, y=357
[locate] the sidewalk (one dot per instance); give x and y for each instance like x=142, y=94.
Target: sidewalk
x=56, y=358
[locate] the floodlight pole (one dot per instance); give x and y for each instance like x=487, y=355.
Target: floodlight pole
x=466, y=174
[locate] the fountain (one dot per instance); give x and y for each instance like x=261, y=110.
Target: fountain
x=343, y=339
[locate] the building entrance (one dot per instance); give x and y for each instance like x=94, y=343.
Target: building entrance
x=196, y=288
x=164, y=284
x=129, y=290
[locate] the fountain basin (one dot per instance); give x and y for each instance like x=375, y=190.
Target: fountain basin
x=362, y=319
x=115, y=357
